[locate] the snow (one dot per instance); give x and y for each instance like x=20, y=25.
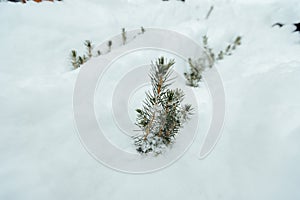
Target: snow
x=258, y=155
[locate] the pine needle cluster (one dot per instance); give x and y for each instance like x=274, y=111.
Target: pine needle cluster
x=162, y=114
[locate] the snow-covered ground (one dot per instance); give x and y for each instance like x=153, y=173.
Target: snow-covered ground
x=258, y=156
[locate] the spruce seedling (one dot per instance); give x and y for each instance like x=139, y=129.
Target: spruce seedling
x=80, y=60
x=98, y=53
x=208, y=50
x=194, y=75
x=74, y=61
x=227, y=52
x=220, y=55
x=85, y=58
x=89, y=47
x=109, y=44
x=163, y=113
x=209, y=12
x=124, y=37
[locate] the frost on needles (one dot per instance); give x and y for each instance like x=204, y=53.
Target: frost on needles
x=162, y=114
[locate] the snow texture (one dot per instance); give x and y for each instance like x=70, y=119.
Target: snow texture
x=258, y=156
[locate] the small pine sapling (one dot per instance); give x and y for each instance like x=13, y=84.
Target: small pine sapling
x=98, y=53
x=208, y=50
x=74, y=60
x=209, y=12
x=237, y=42
x=80, y=60
x=231, y=47
x=109, y=44
x=227, y=52
x=85, y=58
x=194, y=74
x=162, y=114
x=124, y=37
x=220, y=55
x=89, y=47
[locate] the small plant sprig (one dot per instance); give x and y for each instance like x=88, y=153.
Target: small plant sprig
x=196, y=67
x=109, y=44
x=124, y=36
x=194, y=75
x=230, y=48
x=77, y=61
x=162, y=114
x=227, y=52
x=89, y=47
x=209, y=12
x=82, y=60
x=74, y=59
x=208, y=49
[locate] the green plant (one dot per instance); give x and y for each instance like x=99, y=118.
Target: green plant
x=124, y=36
x=74, y=59
x=227, y=52
x=209, y=12
x=196, y=67
x=109, y=44
x=89, y=47
x=98, y=53
x=194, y=74
x=162, y=114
